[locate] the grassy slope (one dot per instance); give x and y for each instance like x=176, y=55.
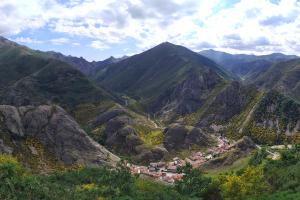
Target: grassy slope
x=236, y=166
x=17, y=62
x=32, y=75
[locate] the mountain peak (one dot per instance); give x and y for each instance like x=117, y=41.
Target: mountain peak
x=167, y=47
x=166, y=44
x=5, y=41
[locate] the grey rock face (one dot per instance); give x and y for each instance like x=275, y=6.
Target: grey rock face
x=58, y=132
x=188, y=96
x=228, y=103
x=120, y=136
x=174, y=137
x=106, y=116
x=5, y=149
x=11, y=118
x=155, y=154
x=178, y=137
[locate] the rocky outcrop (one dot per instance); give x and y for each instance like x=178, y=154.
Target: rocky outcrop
x=122, y=132
x=108, y=115
x=120, y=136
x=177, y=137
x=57, y=132
x=156, y=154
x=11, y=119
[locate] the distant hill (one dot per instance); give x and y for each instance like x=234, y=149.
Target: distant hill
x=283, y=76
x=86, y=67
x=243, y=65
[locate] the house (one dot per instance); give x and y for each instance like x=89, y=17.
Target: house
x=209, y=157
x=172, y=169
x=153, y=164
x=161, y=164
x=153, y=169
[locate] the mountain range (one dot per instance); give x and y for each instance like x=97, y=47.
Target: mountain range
x=137, y=107
x=243, y=65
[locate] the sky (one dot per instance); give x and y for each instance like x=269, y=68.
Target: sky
x=97, y=29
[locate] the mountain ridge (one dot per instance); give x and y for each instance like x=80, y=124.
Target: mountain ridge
x=244, y=65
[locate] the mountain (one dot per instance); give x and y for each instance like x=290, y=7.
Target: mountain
x=29, y=77
x=147, y=107
x=243, y=65
x=86, y=67
x=176, y=85
x=17, y=62
x=155, y=77
x=37, y=79
x=283, y=77
x=79, y=63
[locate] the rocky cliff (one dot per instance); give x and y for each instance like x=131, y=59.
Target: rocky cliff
x=56, y=132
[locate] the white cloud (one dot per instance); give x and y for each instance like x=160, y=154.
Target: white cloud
x=17, y=15
x=27, y=40
x=59, y=41
x=99, y=45
x=252, y=26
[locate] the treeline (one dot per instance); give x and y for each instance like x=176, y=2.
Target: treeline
x=263, y=178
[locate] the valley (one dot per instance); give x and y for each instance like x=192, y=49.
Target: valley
x=168, y=115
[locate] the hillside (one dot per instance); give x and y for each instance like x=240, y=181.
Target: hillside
x=155, y=78
x=17, y=62
x=52, y=81
x=243, y=65
x=56, y=82
x=29, y=77
x=284, y=77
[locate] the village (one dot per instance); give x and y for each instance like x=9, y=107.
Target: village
x=168, y=171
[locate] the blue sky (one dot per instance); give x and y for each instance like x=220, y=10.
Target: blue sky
x=97, y=29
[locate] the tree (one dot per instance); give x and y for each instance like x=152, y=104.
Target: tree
x=250, y=183
x=194, y=183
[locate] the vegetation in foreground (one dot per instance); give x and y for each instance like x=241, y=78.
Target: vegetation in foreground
x=261, y=179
